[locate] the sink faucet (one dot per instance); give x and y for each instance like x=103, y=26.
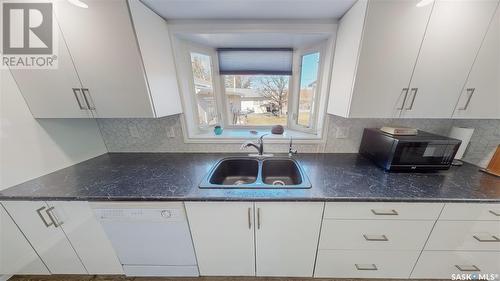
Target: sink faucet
x=291, y=151
x=259, y=146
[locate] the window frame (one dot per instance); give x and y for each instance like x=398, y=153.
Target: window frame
x=293, y=118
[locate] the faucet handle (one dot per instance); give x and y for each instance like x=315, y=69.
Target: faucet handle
x=246, y=144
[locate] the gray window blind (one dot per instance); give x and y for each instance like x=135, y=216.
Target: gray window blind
x=268, y=61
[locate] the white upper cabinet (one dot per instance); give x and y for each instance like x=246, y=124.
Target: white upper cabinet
x=54, y=93
x=394, y=59
x=16, y=254
x=286, y=238
x=115, y=61
x=393, y=31
x=452, y=41
x=481, y=95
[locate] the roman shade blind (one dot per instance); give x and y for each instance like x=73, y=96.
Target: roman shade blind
x=251, y=61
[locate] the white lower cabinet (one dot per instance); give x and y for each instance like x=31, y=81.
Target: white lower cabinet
x=223, y=237
x=87, y=237
x=268, y=239
x=16, y=254
x=373, y=240
x=465, y=236
x=46, y=236
x=365, y=264
x=66, y=236
x=286, y=238
x=446, y=264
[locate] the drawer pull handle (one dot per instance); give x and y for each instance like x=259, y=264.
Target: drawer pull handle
x=385, y=212
x=39, y=212
x=366, y=266
x=467, y=267
x=369, y=237
x=486, y=238
x=495, y=213
x=53, y=217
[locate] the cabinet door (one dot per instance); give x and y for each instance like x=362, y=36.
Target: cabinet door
x=49, y=92
x=392, y=36
x=104, y=48
x=87, y=237
x=481, y=95
x=223, y=237
x=16, y=254
x=49, y=242
x=287, y=236
x=452, y=40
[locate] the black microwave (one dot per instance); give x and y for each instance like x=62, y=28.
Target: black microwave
x=421, y=152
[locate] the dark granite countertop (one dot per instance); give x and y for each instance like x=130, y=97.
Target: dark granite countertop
x=175, y=176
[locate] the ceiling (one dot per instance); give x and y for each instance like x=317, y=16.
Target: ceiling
x=249, y=9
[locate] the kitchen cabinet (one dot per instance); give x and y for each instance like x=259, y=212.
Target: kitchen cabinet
x=286, y=238
x=66, y=235
x=43, y=231
x=373, y=240
x=452, y=40
x=223, y=237
x=16, y=254
x=115, y=61
x=54, y=93
x=464, y=240
x=378, y=44
x=394, y=59
x=268, y=239
x=87, y=237
x=480, y=96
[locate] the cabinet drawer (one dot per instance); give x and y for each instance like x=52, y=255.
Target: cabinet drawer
x=443, y=264
x=365, y=264
x=383, y=210
x=465, y=235
x=471, y=211
x=374, y=234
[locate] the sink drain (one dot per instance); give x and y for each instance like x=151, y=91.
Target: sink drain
x=278, y=182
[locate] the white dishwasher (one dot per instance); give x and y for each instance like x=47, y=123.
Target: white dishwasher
x=150, y=239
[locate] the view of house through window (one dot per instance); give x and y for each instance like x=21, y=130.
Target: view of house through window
x=308, y=85
x=204, y=89
x=257, y=100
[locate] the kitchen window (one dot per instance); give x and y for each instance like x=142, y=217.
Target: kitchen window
x=252, y=89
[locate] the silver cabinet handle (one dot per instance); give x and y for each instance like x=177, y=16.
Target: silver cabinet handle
x=413, y=94
x=486, y=238
x=249, y=218
x=462, y=267
x=39, y=212
x=369, y=237
x=494, y=213
x=258, y=218
x=470, y=92
x=53, y=217
x=77, y=92
x=371, y=266
x=391, y=212
x=88, y=98
x=402, y=104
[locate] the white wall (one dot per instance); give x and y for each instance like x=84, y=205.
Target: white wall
x=30, y=148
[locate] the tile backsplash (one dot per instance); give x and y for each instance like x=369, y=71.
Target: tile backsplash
x=153, y=135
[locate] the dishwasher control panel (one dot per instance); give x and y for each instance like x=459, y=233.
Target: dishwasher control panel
x=132, y=214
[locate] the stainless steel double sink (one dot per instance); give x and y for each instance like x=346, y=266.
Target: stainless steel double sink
x=254, y=173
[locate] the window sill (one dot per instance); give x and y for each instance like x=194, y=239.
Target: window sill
x=238, y=135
